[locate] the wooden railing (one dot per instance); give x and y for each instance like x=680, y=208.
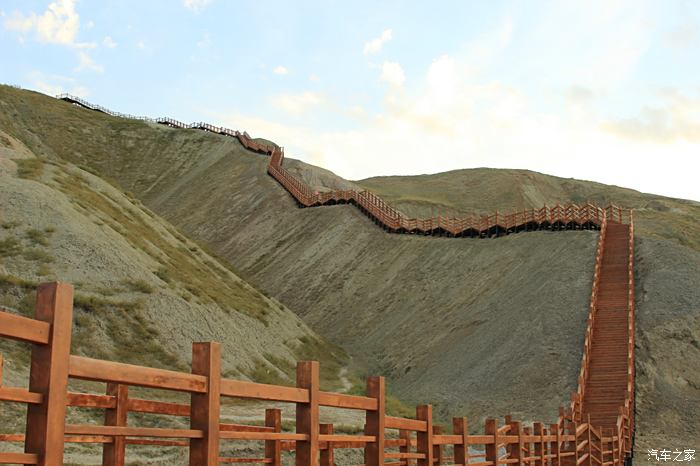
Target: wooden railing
x=558, y=217
x=385, y=440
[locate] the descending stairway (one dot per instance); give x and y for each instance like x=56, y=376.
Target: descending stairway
x=607, y=384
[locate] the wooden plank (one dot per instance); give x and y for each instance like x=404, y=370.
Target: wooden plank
x=340, y=400
x=138, y=405
x=440, y=439
x=86, y=429
x=20, y=395
x=264, y=436
x=114, y=453
x=424, y=441
x=128, y=374
x=273, y=448
x=49, y=374
x=90, y=400
x=261, y=391
x=307, y=414
x=205, y=408
x=19, y=458
x=245, y=428
x=23, y=328
x=391, y=422
x=375, y=422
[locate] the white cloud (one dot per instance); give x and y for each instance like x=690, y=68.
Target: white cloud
x=55, y=84
x=86, y=63
x=109, y=42
x=196, y=5
x=297, y=104
x=90, y=24
x=393, y=74
x=141, y=45
x=375, y=45
x=59, y=24
x=280, y=70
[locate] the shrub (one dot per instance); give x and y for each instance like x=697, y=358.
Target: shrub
x=30, y=169
x=9, y=247
x=38, y=237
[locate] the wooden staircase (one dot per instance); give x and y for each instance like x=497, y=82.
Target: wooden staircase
x=607, y=384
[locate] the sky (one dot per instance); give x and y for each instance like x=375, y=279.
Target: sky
x=604, y=90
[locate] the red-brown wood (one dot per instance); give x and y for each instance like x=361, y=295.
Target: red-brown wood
x=273, y=448
x=307, y=414
x=424, y=440
x=327, y=456
x=375, y=422
x=205, y=407
x=49, y=374
x=114, y=453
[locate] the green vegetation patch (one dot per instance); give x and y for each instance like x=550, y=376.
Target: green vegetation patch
x=10, y=247
x=30, y=169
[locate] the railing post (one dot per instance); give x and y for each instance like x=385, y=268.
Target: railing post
x=537, y=430
x=308, y=414
x=590, y=446
x=424, y=440
x=491, y=429
x=555, y=447
x=516, y=449
x=405, y=436
x=113, y=454
x=327, y=457
x=49, y=374
x=273, y=448
x=205, y=407
x=461, y=451
x=437, y=449
x=374, y=422
x=526, y=445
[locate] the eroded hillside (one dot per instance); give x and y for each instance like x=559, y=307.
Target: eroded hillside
x=482, y=327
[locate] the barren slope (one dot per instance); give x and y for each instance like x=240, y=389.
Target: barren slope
x=463, y=322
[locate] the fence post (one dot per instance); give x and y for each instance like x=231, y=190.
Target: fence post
x=461, y=427
x=205, y=407
x=437, y=449
x=273, y=448
x=526, y=445
x=327, y=457
x=516, y=450
x=555, y=447
x=405, y=435
x=537, y=431
x=308, y=414
x=491, y=429
x=424, y=440
x=49, y=374
x=374, y=422
x=113, y=454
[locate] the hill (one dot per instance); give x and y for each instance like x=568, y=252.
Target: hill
x=483, y=327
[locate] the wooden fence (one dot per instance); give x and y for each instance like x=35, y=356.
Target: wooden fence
x=558, y=217
x=415, y=441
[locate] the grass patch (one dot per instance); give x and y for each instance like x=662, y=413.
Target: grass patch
x=38, y=237
x=264, y=372
x=131, y=338
x=10, y=247
x=30, y=169
x=9, y=225
x=45, y=271
x=329, y=356
x=37, y=255
x=139, y=285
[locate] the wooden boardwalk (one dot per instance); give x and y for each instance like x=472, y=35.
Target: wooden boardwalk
x=597, y=428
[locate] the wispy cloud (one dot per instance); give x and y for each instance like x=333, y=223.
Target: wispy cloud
x=393, y=74
x=196, y=5
x=56, y=84
x=280, y=70
x=87, y=64
x=375, y=45
x=109, y=42
x=297, y=104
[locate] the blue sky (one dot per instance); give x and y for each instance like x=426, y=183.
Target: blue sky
x=600, y=90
